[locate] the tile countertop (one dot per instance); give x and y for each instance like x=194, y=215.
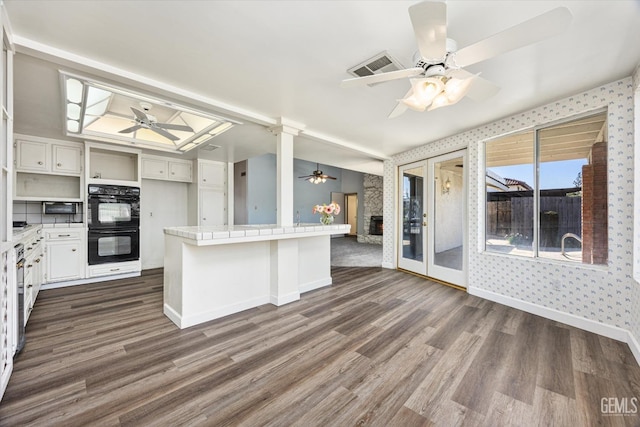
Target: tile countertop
x=239, y=233
x=20, y=234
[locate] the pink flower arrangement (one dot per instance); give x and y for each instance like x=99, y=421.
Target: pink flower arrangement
x=331, y=209
x=327, y=211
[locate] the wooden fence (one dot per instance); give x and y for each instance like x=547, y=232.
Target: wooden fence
x=558, y=215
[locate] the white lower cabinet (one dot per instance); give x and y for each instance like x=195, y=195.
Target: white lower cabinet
x=65, y=255
x=114, y=268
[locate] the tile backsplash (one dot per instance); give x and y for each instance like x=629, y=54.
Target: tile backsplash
x=32, y=213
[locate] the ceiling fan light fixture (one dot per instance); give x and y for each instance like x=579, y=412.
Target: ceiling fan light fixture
x=424, y=90
x=440, y=101
x=413, y=103
x=456, y=89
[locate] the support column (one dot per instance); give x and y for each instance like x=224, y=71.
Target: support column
x=285, y=130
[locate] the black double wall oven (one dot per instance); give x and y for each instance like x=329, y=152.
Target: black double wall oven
x=113, y=216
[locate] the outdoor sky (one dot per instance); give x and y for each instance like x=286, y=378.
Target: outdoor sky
x=552, y=174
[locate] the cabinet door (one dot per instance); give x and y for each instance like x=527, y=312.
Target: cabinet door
x=212, y=175
x=213, y=209
x=153, y=168
x=66, y=159
x=180, y=171
x=64, y=261
x=32, y=156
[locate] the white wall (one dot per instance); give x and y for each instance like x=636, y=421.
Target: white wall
x=162, y=204
x=603, y=295
x=635, y=298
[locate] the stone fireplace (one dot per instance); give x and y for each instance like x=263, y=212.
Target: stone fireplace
x=372, y=209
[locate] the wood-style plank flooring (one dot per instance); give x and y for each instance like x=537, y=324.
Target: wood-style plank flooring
x=379, y=347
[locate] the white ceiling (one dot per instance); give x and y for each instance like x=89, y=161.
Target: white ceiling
x=258, y=61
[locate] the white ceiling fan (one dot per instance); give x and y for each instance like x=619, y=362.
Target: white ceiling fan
x=144, y=120
x=438, y=78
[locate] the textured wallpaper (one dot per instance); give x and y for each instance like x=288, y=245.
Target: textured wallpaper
x=606, y=294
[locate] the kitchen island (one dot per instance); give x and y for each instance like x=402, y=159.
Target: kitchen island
x=211, y=272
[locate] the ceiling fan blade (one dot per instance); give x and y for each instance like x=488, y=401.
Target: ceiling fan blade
x=139, y=114
x=327, y=177
x=164, y=133
x=383, y=77
x=131, y=129
x=401, y=107
x=429, y=21
x=481, y=89
x=541, y=27
x=174, y=127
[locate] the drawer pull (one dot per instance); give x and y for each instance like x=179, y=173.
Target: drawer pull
x=115, y=269
x=64, y=235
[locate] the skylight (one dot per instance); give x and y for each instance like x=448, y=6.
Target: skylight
x=98, y=111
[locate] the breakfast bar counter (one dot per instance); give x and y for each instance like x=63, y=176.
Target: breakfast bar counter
x=211, y=272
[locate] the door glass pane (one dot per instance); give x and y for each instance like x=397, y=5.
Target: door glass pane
x=449, y=228
x=510, y=185
x=412, y=213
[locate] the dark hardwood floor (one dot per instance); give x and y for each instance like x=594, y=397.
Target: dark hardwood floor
x=379, y=347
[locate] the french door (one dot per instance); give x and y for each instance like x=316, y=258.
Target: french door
x=433, y=216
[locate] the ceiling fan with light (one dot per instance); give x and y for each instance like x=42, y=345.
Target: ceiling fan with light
x=438, y=79
x=144, y=120
x=317, y=176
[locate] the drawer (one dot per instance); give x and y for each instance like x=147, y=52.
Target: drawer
x=115, y=268
x=54, y=235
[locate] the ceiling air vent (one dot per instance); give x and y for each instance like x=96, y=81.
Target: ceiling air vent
x=381, y=63
x=209, y=147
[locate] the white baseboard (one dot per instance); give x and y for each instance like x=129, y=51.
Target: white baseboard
x=609, y=331
x=634, y=346
x=196, y=319
x=388, y=265
x=284, y=299
x=55, y=285
x=316, y=284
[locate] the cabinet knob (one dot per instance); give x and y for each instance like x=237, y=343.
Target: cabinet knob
x=204, y=180
x=59, y=164
x=173, y=173
x=40, y=162
x=204, y=219
x=161, y=171
x=30, y=266
x=73, y=250
x=38, y=260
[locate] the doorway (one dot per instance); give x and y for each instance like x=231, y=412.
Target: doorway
x=433, y=210
x=351, y=212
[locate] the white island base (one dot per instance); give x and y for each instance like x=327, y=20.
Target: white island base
x=211, y=272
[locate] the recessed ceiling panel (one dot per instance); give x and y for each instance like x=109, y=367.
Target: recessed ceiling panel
x=94, y=109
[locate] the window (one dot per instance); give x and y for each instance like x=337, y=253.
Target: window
x=560, y=172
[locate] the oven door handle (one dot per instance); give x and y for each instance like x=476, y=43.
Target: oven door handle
x=112, y=231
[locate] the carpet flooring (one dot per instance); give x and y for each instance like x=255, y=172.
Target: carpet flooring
x=347, y=252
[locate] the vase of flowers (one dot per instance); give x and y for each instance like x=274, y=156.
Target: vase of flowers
x=327, y=212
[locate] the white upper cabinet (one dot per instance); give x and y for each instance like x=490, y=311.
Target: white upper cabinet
x=180, y=171
x=212, y=175
x=66, y=159
x=48, y=156
x=32, y=156
x=154, y=168
x=165, y=168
